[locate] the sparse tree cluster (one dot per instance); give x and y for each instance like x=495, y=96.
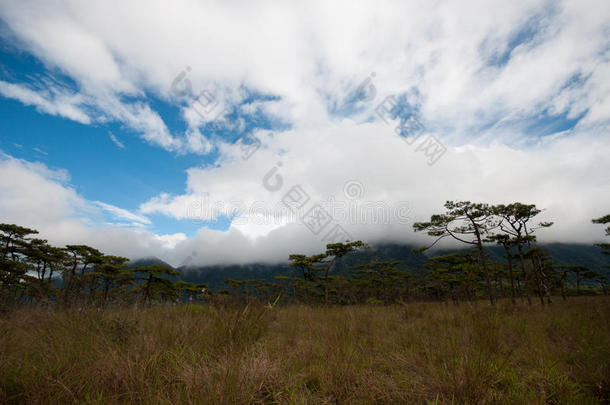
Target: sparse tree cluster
x=34, y=272
x=529, y=269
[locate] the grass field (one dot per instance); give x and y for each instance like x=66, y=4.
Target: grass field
x=413, y=353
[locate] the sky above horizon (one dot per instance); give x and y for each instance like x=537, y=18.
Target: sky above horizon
x=236, y=132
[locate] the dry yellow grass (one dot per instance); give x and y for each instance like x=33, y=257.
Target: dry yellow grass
x=412, y=353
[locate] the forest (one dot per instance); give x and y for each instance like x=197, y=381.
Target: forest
x=36, y=273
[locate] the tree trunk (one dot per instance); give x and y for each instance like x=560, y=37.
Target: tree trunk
x=519, y=288
x=510, y=275
x=539, y=288
x=147, y=290
x=485, y=267
x=106, y=288
x=525, y=277
x=326, y=280
x=538, y=276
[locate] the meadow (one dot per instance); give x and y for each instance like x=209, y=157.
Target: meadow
x=416, y=352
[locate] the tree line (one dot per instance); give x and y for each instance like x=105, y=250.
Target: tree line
x=34, y=272
x=528, y=271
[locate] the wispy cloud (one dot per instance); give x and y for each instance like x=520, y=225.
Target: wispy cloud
x=114, y=139
x=474, y=64
x=54, y=100
x=123, y=214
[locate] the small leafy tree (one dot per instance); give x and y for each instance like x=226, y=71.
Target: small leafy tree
x=12, y=238
x=604, y=220
x=192, y=290
x=382, y=279
x=44, y=260
x=323, y=262
x=14, y=281
x=112, y=271
x=309, y=266
x=335, y=251
x=516, y=222
x=543, y=268
x=453, y=271
x=578, y=271
x=81, y=257
x=156, y=282
x=466, y=222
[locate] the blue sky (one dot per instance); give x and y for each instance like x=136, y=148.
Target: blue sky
x=123, y=173
x=99, y=169
x=104, y=139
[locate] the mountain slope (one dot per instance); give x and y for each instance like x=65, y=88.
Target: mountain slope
x=214, y=276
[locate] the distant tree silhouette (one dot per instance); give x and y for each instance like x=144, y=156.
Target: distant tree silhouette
x=381, y=279
x=34, y=272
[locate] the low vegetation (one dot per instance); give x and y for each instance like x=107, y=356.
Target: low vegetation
x=410, y=353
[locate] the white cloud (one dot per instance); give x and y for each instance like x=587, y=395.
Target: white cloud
x=54, y=101
x=196, y=142
x=37, y=197
x=311, y=56
x=483, y=72
x=566, y=176
x=556, y=175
